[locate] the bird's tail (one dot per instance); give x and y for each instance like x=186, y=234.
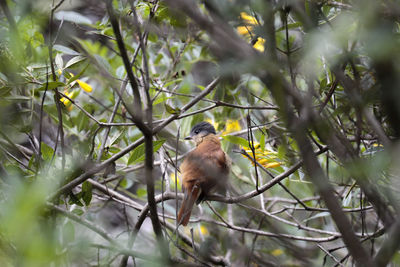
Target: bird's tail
x=189, y=199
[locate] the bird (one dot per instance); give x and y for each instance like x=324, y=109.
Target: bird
x=204, y=170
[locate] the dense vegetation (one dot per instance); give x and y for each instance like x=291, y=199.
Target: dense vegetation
x=97, y=96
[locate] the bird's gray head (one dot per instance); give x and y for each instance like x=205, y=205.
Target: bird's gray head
x=200, y=130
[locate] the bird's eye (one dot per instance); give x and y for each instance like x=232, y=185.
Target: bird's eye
x=196, y=132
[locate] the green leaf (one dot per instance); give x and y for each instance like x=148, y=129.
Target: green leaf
x=76, y=77
x=25, y=128
x=290, y=26
x=236, y=140
x=141, y=192
x=158, y=58
x=59, y=61
x=172, y=82
x=31, y=161
x=4, y=91
x=116, y=138
x=152, y=37
x=323, y=84
x=172, y=110
x=87, y=192
x=161, y=100
x=201, y=87
x=262, y=142
x=281, y=151
x=38, y=38
x=65, y=50
x=157, y=144
x=75, y=199
x=126, y=183
x=123, y=183
x=50, y=86
x=74, y=60
x=138, y=154
x=113, y=149
x=47, y=151
x=78, y=211
x=83, y=121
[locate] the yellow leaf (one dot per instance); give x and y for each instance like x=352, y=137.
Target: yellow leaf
x=377, y=145
x=215, y=124
x=259, y=45
x=263, y=161
x=178, y=182
x=248, y=19
x=85, y=86
x=232, y=126
x=277, y=252
x=244, y=30
x=65, y=100
x=256, y=146
x=204, y=230
x=273, y=165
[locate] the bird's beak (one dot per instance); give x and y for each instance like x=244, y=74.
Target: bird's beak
x=188, y=138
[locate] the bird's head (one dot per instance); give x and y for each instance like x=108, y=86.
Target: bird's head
x=200, y=130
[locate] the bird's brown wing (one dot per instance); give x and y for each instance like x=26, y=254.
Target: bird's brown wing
x=192, y=178
x=202, y=170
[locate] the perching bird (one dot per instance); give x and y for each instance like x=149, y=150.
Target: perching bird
x=204, y=170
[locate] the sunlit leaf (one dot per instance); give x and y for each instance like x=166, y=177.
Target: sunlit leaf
x=72, y=16
x=248, y=19
x=59, y=61
x=262, y=142
x=259, y=45
x=273, y=165
x=236, y=140
x=85, y=86
x=65, y=50
x=74, y=61
x=231, y=126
